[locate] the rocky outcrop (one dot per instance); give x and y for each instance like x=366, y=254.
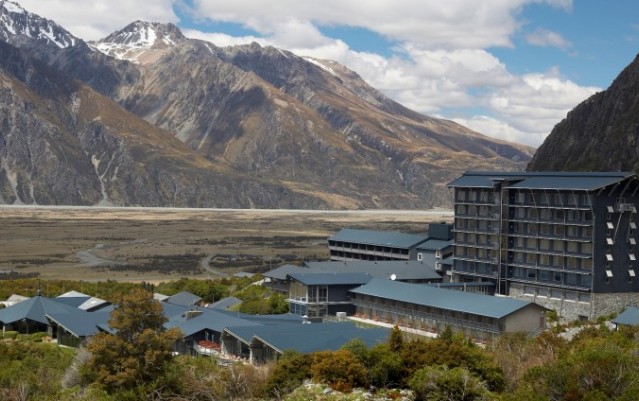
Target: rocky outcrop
x=600, y=134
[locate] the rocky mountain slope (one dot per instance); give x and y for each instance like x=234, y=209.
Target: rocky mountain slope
x=600, y=134
x=248, y=126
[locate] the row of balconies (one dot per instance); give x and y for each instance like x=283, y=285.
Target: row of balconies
x=472, y=322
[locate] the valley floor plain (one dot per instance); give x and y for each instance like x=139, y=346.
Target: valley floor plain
x=162, y=244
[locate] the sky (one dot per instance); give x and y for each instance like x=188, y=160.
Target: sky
x=510, y=69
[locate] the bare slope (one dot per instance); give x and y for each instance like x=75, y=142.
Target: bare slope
x=600, y=134
x=262, y=127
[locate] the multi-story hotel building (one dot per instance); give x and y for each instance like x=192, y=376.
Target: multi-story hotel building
x=567, y=241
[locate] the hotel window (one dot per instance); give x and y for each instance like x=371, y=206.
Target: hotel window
x=586, y=248
x=571, y=263
x=609, y=257
x=586, y=264
x=572, y=199
x=557, y=277
x=586, y=281
x=544, y=259
x=609, y=241
x=572, y=247
x=631, y=275
x=586, y=232
x=633, y=241
x=558, y=200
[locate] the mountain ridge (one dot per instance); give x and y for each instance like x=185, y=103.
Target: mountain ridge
x=279, y=130
x=599, y=134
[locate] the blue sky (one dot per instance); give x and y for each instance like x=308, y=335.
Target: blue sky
x=510, y=69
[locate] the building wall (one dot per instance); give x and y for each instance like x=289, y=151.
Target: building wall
x=527, y=319
x=558, y=248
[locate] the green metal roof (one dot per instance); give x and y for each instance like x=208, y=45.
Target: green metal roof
x=382, y=238
x=458, y=301
x=581, y=181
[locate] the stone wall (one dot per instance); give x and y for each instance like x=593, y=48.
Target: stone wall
x=570, y=310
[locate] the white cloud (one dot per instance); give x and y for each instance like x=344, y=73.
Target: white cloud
x=495, y=128
x=544, y=38
x=441, y=59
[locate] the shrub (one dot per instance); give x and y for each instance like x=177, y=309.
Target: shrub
x=339, y=369
x=10, y=335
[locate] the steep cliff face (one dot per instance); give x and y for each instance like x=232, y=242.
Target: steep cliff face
x=148, y=117
x=600, y=134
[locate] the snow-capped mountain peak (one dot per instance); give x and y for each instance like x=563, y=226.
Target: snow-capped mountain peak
x=140, y=40
x=16, y=22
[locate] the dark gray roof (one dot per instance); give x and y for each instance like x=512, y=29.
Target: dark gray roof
x=209, y=319
x=403, y=270
x=81, y=323
x=434, y=245
x=425, y=295
x=34, y=309
x=307, y=338
x=225, y=303
x=585, y=181
x=630, y=317
x=281, y=272
x=183, y=298
x=342, y=278
x=381, y=238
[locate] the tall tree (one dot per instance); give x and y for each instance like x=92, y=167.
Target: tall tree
x=138, y=351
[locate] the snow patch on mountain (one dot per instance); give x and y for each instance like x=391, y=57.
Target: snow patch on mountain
x=134, y=42
x=320, y=65
x=15, y=21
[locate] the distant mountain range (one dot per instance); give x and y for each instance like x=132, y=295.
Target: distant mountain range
x=149, y=117
x=600, y=134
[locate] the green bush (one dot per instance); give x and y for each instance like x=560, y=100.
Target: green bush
x=289, y=372
x=10, y=335
x=439, y=383
x=339, y=369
